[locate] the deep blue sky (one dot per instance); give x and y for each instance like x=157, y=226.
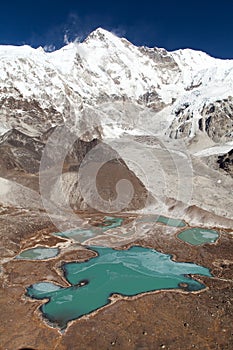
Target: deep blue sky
x=200, y=24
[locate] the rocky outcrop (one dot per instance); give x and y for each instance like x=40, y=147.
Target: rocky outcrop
x=162, y=58
x=20, y=151
x=152, y=100
x=26, y=114
x=215, y=119
x=226, y=162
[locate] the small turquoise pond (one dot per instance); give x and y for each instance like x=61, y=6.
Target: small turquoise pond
x=197, y=236
x=110, y=222
x=39, y=253
x=82, y=235
x=163, y=219
x=127, y=272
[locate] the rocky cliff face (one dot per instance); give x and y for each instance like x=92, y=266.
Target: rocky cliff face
x=215, y=119
x=226, y=162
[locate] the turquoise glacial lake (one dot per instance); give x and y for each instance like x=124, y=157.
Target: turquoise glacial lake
x=198, y=236
x=127, y=272
x=38, y=253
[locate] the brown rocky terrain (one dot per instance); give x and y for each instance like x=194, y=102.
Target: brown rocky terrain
x=159, y=320
x=174, y=319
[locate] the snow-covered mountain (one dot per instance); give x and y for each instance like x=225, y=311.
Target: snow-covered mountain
x=106, y=79
x=108, y=90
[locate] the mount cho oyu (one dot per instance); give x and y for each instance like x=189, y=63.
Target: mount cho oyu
x=106, y=87
x=191, y=91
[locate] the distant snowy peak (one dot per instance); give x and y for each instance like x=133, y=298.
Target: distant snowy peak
x=102, y=35
x=196, y=60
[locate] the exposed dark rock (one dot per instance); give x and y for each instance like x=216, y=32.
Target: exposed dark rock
x=216, y=121
x=27, y=115
x=161, y=57
x=219, y=120
x=226, y=162
x=152, y=100
x=20, y=151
